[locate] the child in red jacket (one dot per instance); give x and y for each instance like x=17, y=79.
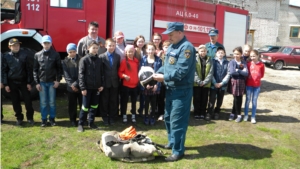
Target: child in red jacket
x=256, y=72
x=128, y=72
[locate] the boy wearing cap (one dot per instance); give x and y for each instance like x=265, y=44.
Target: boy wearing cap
x=16, y=77
x=90, y=82
x=82, y=47
x=219, y=83
x=213, y=44
x=70, y=68
x=47, y=73
x=109, y=96
x=178, y=74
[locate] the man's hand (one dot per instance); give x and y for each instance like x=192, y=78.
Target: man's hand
x=2, y=86
x=38, y=87
x=56, y=83
x=100, y=89
x=29, y=87
x=83, y=92
x=158, y=77
x=7, y=89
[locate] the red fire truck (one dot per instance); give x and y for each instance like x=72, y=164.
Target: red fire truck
x=66, y=21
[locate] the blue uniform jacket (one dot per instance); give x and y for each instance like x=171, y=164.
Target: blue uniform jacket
x=157, y=65
x=211, y=51
x=179, y=65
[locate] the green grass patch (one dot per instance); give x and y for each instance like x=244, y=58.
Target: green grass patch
x=217, y=144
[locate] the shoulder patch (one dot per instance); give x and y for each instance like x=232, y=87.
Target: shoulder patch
x=187, y=54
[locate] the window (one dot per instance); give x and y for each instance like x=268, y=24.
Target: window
x=295, y=32
x=77, y=4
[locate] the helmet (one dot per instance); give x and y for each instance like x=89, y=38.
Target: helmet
x=145, y=75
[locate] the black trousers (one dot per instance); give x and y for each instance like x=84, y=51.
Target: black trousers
x=237, y=105
x=75, y=99
x=200, y=100
x=161, y=100
x=150, y=99
x=15, y=90
x=90, y=103
x=125, y=93
x=109, y=102
x=215, y=94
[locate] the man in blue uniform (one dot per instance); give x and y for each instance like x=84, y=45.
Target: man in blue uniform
x=213, y=44
x=178, y=75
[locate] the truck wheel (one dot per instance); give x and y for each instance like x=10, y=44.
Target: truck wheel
x=278, y=65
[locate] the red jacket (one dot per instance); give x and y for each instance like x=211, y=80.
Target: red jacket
x=256, y=72
x=132, y=73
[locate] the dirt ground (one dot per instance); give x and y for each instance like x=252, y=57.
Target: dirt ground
x=279, y=100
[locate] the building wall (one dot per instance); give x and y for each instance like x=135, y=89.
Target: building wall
x=271, y=20
x=288, y=15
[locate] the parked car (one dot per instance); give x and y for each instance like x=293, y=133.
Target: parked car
x=286, y=56
x=268, y=49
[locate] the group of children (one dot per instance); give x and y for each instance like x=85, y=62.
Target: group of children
x=214, y=75
x=113, y=78
x=110, y=76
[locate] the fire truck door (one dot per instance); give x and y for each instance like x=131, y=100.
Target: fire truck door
x=66, y=22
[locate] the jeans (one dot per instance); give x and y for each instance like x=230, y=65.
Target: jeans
x=251, y=92
x=47, y=100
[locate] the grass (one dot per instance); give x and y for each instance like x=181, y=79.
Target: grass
x=217, y=144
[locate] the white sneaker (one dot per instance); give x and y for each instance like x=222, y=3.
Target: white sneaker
x=245, y=118
x=238, y=119
x=161, y=118
x=253, y=121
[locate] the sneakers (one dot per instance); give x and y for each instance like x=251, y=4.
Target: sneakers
x=152, y=121
x=93, y=126
x=245, y=118
x=253, y=121
x=44, y=123
x=231, y=117
x=201, y=117
x=197, y=117
x=133, y=118
x=124, y=118
x=52, y=122
x=238, y=119
x=146, y=120
x=80, y=128
x=73, y=123
x=161, y=118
